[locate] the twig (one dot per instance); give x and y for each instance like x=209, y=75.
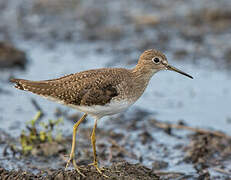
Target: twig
x=169, y=175
x=121, y=149
x=222, y=171
x=163, y=125
x=37, y=107
x=162, y=173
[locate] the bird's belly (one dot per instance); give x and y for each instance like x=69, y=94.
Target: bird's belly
x=111, y=108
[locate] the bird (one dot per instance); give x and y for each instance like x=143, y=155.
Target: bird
x=100, y=92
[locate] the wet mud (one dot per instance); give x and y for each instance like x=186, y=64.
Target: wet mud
x=208, y=152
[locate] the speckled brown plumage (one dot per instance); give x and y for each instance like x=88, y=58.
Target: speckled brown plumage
x=93, y=87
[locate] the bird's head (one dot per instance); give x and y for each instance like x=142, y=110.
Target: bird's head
x=154, y=60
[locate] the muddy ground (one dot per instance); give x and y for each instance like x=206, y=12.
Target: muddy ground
x=36, y=34
x=209, y=152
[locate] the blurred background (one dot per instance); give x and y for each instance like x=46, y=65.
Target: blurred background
x=45, y=39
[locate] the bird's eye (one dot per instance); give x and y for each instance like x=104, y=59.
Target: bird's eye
x=156, y=60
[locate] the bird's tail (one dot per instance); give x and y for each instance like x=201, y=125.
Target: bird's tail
x=36, y=87
x=20, y=83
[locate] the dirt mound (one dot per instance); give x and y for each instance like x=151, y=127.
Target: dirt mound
x=121, y=170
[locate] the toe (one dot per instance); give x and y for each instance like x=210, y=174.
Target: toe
x=99, y=170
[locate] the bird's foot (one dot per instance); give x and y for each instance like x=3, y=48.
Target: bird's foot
x=95, y=164
x=77, y=168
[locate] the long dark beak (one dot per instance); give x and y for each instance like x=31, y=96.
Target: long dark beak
x=171, y=68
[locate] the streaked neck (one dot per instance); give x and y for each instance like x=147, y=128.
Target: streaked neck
x=143, y=72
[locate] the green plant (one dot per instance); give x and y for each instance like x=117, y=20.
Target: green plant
x=40, y=132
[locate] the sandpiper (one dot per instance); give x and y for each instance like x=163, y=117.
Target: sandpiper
x=100, y=92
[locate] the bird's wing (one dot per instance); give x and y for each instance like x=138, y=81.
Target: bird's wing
x=96, y=90
x=84, y=88
x=100, y=95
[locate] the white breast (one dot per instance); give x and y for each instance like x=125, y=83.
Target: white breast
x=98, y=111
x=111, y=108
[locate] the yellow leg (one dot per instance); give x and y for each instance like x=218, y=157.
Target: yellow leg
x=93, y=141
x=72, y=155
